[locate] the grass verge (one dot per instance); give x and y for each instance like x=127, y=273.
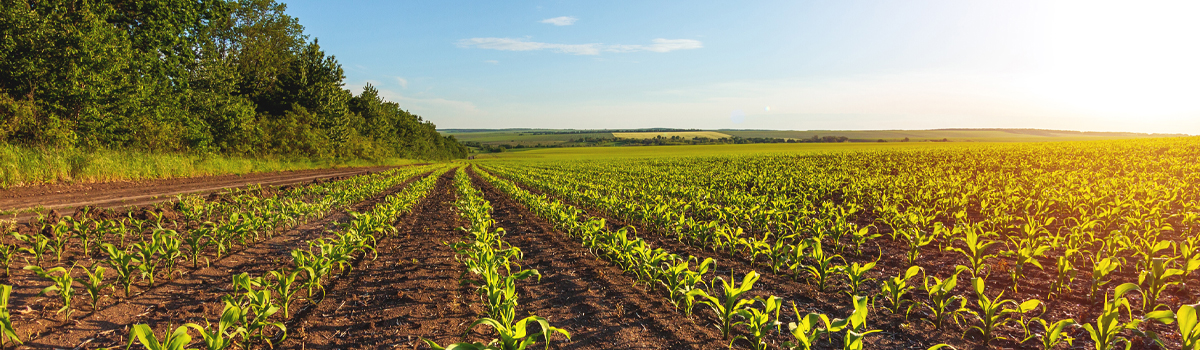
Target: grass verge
x=24, y=166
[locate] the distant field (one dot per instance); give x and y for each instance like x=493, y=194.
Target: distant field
x=980, y=135
x=683, y=134
x=709, y=150
x=521, y=137
x=530, y=137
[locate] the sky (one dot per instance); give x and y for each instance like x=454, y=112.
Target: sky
x=788, y=65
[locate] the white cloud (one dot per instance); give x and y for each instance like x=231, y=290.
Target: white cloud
x=492, y=61
x=403, y=82
x=561, y=21
x=510, y=44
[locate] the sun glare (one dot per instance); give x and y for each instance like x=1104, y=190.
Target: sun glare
x=1127, y=59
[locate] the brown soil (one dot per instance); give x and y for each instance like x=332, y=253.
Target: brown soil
x=589, y=297
x=190, y=297
x=410, y=291
x=65, y=197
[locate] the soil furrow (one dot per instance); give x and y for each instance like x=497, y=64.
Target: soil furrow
x=410, y=291
x=591, y=298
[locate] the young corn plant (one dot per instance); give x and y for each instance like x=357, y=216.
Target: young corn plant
x=1054, y=333
x=824, y=267
x=1100, y=271
x=729, y=302
x=145, y=252
x=995, y=312
x=282, y=282
x=225, y=334
x=1106, y=332
x=942, y=298
x=63, y=285
x=975, y=248
x=1155, y=281
x=61, y=235
x=122, y=264
x=38, y=245
x=1186, y=318
x=169, y=251
x=143, y=334
x=6, y=254
x=861, y=236
x=681, y=282
x=197, y=241
x=95, y=284
x=759, y=322
x=7, y=332
x=1027, y=252
x=856, y=275
x=512, y=336
x=896, y=288
x=1065, y=275
x=807, y=330
x=916, y=239
x=856, y=325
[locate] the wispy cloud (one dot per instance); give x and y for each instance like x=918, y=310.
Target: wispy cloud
x=492, y=61
x=510, y=44
x=403, y=82
x=561, y=21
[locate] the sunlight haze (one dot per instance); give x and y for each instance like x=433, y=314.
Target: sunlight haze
x=846, y=65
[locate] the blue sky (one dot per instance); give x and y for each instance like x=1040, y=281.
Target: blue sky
x=783, y=65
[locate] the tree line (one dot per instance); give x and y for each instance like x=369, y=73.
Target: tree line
x=234, y=77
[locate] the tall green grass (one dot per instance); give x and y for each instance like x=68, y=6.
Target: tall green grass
x=23, y=166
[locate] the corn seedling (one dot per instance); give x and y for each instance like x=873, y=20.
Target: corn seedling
x=62, y=284
x=729, y=302
x=6, y=254
x=975, y=249
x=824, y=267
x=95, y=284
x=942, y=298
x=1054, y=333
x=224, y=335
x=7, y=332
x=122, y=264
x=512, y=336
x=143, y=334
x=1100, y=271
x=1106, y=331
x=995, y=312
x=916, y=239
x=856, y=325
x=282, y=283
x=38, y=245
x=1027, y=252
x=807, y=330
x=759, y=322
x=1154, y=281
x=857, y=274
x=896, y=288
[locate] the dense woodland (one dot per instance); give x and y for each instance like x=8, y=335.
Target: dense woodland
x=215, y=76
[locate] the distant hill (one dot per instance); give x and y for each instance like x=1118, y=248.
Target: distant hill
x=531, y=137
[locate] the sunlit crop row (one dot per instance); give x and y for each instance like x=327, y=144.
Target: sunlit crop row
x=1087, y=216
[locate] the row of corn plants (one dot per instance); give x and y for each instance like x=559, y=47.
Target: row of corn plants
x=312, y=265
x=495, y=268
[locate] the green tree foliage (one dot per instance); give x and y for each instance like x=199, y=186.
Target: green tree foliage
x=236, y=77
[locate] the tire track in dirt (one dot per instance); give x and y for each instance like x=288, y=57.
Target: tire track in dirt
x=195, y=296
x=410, y=291
x=588, y=297
x=66, y=197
